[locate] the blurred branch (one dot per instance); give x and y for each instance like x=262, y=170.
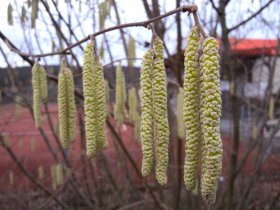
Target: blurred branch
x=251, y=17
x=30, y=176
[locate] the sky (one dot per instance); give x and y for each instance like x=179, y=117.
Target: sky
x=130, y=11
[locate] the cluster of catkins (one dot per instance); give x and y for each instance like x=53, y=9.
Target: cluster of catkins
x=154, y=128
x=65, y=98
x=199, y=101
x=202, y=110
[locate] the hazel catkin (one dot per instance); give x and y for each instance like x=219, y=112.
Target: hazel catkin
x=180, y=114
x=146, y=123
x=132, y=103
x=95, y=102
x=36, y=94
x=99, y=103
x=88, y=88
x=210, y=111
x=120, y=97
x=191, y=109
x=43, y=84
x=66, y=107
x=160, y=113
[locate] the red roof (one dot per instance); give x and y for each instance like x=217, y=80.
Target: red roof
x=253, y=47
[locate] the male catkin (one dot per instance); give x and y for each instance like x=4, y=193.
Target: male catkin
x=66, y=107
x=210, y=111
x=43, y=84
x=120, y=97
x=180, y=114
x=10, y=14
x=88, y=88
x=146, y=124
x=107, y=91
x=191, y=111
x=36, y=94
x=131, y=51
x=132, y=103
x=160, y=113
x=99, y=104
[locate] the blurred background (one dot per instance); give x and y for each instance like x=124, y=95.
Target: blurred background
x=37, y=173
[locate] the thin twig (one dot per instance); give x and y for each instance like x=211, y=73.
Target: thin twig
x=189, y=8
x=197, y=23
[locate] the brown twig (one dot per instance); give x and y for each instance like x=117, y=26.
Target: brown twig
x=197, y=23
x=189, y=8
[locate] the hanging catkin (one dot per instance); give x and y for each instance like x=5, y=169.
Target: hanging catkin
x=120, y=97
x=88, y=88
x=36, y=94
x=146, y=125
x=180, y=114
x=43, y=84
x=132, y=103
x=95, y=102
x=10, y=14
x=99, y=103
x=23, y=14
x=66, y=106
x=210, y=110
x=191, y=115
x=131, y=51
x=34, y=12
x=107, y=91
x=160, y=113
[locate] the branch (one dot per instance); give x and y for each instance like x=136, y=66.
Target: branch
x=197, y=23
x=251, y=17
x=30, y=175
x=189, y=8
x=214, y=6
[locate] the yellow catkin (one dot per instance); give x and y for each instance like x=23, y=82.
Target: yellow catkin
x=120, y=97
x=160, y=113
x=23, y=14
x=132, y=103
x=131, y=51
x=88, y=88
x=34, y=12
x=53, y=175
x=137, y=126
x=107, y=90
x=271, y=108
x=180, y=114
x=58, y=175
x=10, y=14
x=41, y=172
x=43, y=84
x=191, y=111
x=99, y=103
x=36, y=94
x=210, y=111
x=6, y=140
x=18, y=106
x=146, y=125
x=66, y=107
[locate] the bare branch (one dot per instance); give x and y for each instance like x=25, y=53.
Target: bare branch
x=189, y=8
x=251, y=17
